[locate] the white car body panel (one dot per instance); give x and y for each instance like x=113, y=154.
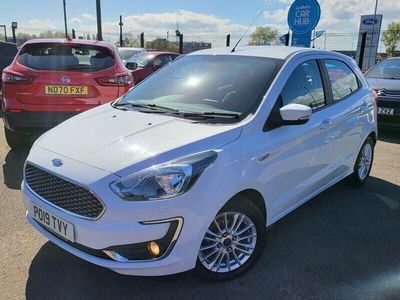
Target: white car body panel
x=287, y=166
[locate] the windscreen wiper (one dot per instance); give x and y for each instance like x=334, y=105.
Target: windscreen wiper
x=210, y=114
x=153, y=107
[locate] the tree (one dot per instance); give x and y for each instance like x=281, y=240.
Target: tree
x=263, y=35
x=391, y=37
x=52, y=34
x=130, y=40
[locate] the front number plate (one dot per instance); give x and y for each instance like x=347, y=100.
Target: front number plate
x=385, y=111
x=53, y=223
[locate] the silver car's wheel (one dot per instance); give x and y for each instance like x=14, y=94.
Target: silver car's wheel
x=363, y=164
x=229, y=242
x=234, y=240
x=365, y=161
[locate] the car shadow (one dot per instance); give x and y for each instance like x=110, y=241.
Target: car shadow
x=389, y=135
x=343, y=244
x=13, y=168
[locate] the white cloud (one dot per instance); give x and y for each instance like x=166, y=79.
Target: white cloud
x=46, y=24
x=88, y=17
x=342, y=16
x=337, y=16
x=189, y=23
x=75, y=21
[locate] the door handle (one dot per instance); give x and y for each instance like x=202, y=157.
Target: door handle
x=325, y=124
x=264, y=157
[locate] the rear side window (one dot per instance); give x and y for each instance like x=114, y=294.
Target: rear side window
x=343, y=80
x=66, y=57
x=304, y=86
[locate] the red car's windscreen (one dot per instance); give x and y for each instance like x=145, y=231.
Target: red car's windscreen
x=66, y=57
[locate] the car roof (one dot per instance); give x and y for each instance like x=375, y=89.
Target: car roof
x=279, y=52
x=131, y=48
x=161, y=52
x=72, y=41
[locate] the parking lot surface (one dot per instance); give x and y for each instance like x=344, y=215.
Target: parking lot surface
x=343, y=244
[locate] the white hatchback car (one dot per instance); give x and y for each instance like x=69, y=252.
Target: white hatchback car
x=190, y=167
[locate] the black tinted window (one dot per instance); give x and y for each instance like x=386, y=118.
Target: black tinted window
x=343, y=80
x=304, y=86
x=65, y=57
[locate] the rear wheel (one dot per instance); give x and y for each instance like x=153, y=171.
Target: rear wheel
x=233, y=242
x=15, y=140
x=363, y=164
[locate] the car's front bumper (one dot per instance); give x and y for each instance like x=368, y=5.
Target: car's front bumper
x=170, y=265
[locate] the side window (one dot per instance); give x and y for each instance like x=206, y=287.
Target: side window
x=162, y=60
x=304, y=86
x=157, y=61
x=343, y=80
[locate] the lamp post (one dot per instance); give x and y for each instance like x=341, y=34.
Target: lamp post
x=14, y=25
x=65, y=18
x=372, y=36
x=120, y=31
x=98, y=13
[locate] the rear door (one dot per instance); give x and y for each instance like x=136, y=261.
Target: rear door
x=65, y=74
x=348, y=111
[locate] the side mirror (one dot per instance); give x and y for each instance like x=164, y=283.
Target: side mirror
x=131, y=65
x=295, y=114
x=157, y=66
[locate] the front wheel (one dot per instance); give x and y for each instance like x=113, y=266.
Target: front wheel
x=233, y=242
x=363, y=164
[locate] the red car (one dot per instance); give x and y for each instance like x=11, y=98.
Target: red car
x=51, y=80
x=144, y=64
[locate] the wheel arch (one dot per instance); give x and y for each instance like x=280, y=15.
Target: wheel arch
x=255, y=197
x=374, y=136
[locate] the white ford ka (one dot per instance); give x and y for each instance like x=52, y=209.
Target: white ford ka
x=191, y=166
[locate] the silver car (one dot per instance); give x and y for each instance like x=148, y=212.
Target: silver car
x=384, y=78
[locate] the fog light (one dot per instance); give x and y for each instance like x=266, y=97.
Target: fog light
x=153, y=248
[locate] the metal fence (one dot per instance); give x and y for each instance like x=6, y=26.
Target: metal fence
x=346, y=42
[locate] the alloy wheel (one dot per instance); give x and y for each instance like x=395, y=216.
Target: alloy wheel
x=365, y=161
x=228, y=243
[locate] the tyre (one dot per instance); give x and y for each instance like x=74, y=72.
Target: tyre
x=15, y=140
x=363, y=164
x=233, y=242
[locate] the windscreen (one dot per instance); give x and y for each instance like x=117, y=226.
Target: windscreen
x=128, y=53
x=208, y=83
x=66, y=57
x=141, y=59
x=387, y=69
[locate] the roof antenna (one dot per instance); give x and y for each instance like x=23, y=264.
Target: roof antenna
x=258, y=14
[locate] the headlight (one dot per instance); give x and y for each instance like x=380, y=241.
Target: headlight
x=164, y=181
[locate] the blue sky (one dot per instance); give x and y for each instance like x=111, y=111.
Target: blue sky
x=237, y=11
x=207, y=20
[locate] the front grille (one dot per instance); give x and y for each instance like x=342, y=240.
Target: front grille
x=389, y=93
x=62, y=193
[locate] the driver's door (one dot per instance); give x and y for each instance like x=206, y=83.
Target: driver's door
x=291, y=163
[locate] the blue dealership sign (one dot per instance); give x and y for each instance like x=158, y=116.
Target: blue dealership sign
x=301, y=40
x=370, y=21
x=303, y=16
